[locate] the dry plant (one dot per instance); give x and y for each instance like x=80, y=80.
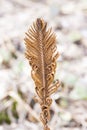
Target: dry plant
x=41, y=52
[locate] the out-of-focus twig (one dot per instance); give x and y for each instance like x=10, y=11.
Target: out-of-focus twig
x=26, y=106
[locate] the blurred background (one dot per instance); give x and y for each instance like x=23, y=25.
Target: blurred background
x=18, y=110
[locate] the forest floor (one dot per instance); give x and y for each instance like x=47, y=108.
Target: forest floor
x=18, y=110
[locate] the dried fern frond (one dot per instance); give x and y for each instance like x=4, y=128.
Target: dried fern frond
x=41, y=53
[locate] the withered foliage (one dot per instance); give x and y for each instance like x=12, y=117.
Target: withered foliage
x=41, y=52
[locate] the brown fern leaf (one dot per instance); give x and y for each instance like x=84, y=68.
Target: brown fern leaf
x=41, y=53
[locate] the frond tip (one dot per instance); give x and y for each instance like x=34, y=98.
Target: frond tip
x=41, y=51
